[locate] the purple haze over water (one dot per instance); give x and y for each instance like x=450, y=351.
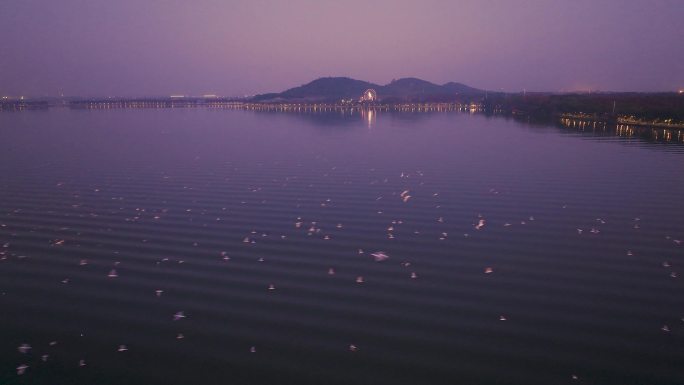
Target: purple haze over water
x=128, y=47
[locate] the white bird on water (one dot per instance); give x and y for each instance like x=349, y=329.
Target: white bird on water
x=405, y=195
x=179, y=315
x=380, y=256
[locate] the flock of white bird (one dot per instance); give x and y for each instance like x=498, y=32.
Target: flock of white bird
x=314, y=228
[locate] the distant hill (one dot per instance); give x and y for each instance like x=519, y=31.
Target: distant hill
x=333, y=89
x=323, y=89
x=461, y=88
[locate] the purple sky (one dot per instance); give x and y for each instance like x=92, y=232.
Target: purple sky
x=234, y=47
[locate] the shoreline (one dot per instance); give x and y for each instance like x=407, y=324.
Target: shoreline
x=622, y=124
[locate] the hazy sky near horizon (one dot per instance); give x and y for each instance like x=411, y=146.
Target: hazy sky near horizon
x=235, y=47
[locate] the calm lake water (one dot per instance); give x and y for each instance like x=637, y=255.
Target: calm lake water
x=226, y=247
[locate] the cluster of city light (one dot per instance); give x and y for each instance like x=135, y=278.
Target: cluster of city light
x=624, y=127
